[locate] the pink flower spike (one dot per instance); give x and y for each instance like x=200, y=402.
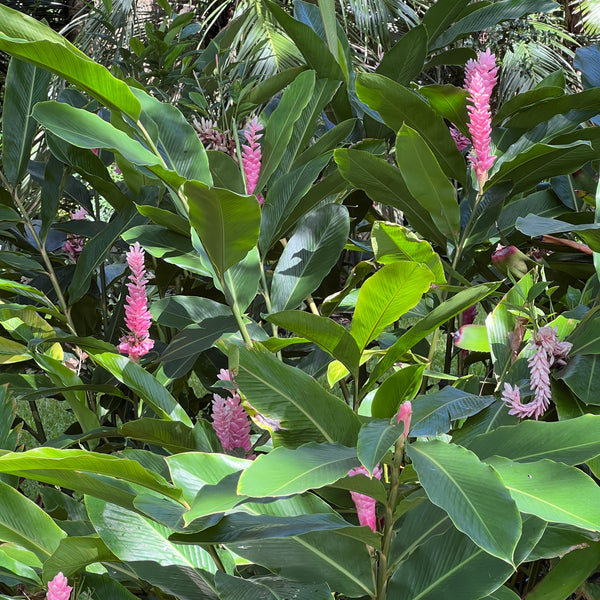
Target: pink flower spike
x=58, y=588
x=231, y=423
x=365, y=505
x=137, y=317
x=404, y=415
x=251, y=157
x=480, y=80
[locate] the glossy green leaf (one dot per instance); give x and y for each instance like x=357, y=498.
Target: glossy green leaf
x=491, y=15
x=534, y=226
x=143, y=383
x=580, y=376
x=441, y=15
x=449, y=102
x=225, y=172
x=143, y=543
x=286, y=471
x=174, y=436
x=448, y=566
x=559, y=540
x=383, y=183
x=327, y=142
x=386, y=296
x=281, y=123
x=404, y=61
x=74, y=554
x=375, y=439
x=268, y=588
x=471, y=493
x=552, y=491
x=34, y=463
x=181, y=311
x=425, y=326
x=326, y=333
x=227, y=223
x=473, y=338
x=357, y=275
x=104, y=586
x=175, y=139
x=572, y=442
x=26, y=85
x=19, y=562
x=402, y=385
x=326, y=556
x=454, y=56
x=571, y=572
x=490, y=418
x=400, y=106
x=395, y=243
x=34, y=42
x=13, y=352
x=526, y=100
x=426, y=181
x=502, y=593
x=87, y=130
x=309, y=255
x=586, y=336
x=24, y=523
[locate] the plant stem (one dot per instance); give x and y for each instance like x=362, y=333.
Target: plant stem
x=313, y=307
x=42, y=250
x=356, y=390
x=388, y=527
x=216, y=559
x=467, y=230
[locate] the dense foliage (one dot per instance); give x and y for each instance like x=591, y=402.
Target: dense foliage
x=328, y=332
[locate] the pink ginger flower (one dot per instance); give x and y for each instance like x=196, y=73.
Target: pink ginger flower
x=480, y=80
x=230, y=421
x=405, y=415
x=251, y=157
x=74, y=244
x=365, y=505
x=549, y=351
x=58, y=588
x=212, y=138
x=462, y=141
x=137, y=317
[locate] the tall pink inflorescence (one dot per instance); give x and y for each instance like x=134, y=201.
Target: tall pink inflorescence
x=137, y=317
x=251, y=157
x=480, y=80
x=230, y=421
x=549, y=351
x=74, y=244
x=58, y=588
x=365, y=505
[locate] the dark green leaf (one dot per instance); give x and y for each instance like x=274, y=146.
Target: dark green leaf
x=268, y=588
x=375, y=439
x=404, y=61
x=398, y=387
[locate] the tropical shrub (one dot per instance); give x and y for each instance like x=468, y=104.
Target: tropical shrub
x=255, y=342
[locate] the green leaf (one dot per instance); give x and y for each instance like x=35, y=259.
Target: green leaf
x=143, y=383
x=454, y=56
x=74, y=554
x=580, y=376
x=534, y=226
x=375, y=439
x=526, y=100
x=326, y=333
x=286, y=471
x=87, y=130
x=19, y=562
x=552, y=491
x=165, y=218
x=278, y=131
x=143, y=544
x=299, y=408
x=174, y=436
x=439, y=315
x=586, y=336
x=398, y=387
x=327, y=556
x=105, y=587
x=395, y=243
x=441, y=15
x=24, y=523
x=572, y=442
x=268, y=588
x=313, y=48
x=26, y=85
x=181, y=311
x=309, y=255
x=448, y=566
x=426, y=181
x=227, y=223
x=473, y=338
x=54, y=173
x=565, y=577
x=176, y=140
x=471, y=493
x=383, y=183
x=491, y=15
x=31, y=41
x=502, y=593
x=399, y=106
x=404, y=61
x=13, y=352
x=225, y=172
x=386, y=296
x=449, y=102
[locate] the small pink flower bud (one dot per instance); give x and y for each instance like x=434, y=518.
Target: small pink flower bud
x=58, y=588
x=510, y=258
x=365, y=505
x=404, y=415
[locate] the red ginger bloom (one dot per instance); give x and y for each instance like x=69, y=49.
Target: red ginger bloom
x=58, y=588
x=230, y=421
x=480, y=80
x=365, y=505
x=137, y=317
x=251, y=157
